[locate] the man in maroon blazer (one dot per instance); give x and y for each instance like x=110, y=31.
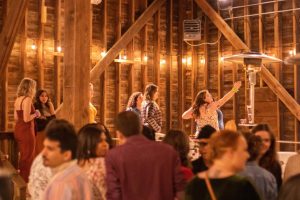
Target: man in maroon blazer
x=140, y=168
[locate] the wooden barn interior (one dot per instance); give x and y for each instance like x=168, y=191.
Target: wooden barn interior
x=122, y=45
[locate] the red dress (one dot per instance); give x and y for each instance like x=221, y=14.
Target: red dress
x=25, y=136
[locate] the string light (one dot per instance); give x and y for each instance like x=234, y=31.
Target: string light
x=103, y=53
x=145, y=58
x=33, y=46
x=162, y=62
x=59, y=49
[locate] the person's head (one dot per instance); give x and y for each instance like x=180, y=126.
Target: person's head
x=180, y=142
x=27, y=87
x=254, y=145
x=128, y=123
x=92, y=143
x=135, y=100
x=151, y=92
x=269, y=144
x=60, y=143
x=104, y=129
x=91, y=91
x=148, y=132
x=290, y=189
x=41, y=98
x=229, y=148
x=230, y=125
x=203, y=97
x=203, y=139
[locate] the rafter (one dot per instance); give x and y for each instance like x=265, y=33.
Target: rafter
x=10, y=30
x=125, y=39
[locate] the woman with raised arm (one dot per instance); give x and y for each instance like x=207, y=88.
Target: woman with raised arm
x=204, y=108
x=24, y=115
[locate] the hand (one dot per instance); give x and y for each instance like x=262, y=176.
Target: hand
x=237, y=85
x=37, y=113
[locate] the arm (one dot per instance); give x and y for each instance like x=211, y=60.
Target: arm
x=27, y=110
x=151, y=118
x=52, y=111
x=112, y=181
x=229, y=95
x=188, y=114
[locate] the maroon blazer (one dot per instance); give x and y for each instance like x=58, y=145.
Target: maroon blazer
x=143, y=169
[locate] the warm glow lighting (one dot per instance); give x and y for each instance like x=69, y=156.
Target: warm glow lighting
x=124, y=57
x=189, y=61
x=59, y=49
x=222, y=59
x=292, y=52
x=183, y=60
x=145, y=58
x=33, y=46
x=202, y=61
x=162, y=62
x=103, y=53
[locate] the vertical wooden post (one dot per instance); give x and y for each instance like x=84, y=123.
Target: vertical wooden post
x=77, y=61
x=296, y=47
x=180, y=66
x=195, y=62
x=156, y=48
x=260, y=35
x=234, y=79
x=144, y=46
x=4, y=80
x=278, y=66
x=118, y=65
x=23, y=45
x=169, y=33
x=40, y=47
x=220, y=65
x=205, y=71
x=103, y=75
x=130, y=49
x=57, y=59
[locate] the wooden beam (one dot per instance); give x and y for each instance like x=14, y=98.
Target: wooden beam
x=234, y=79
x=103, y=75
x=222, y=25
x=125, y=39
x=40, y=47
x=144, y=46
x=77, y=61
x=180, y=65
x=205, y=71
x=130, y=49
x=195, y=64
x=23, y=44
x=260, y=35
x=169, y=46
x=117, y=64
x=10, y=30
x=271, y=81
x=278, y=66
x=156, y=48
x=57, y=59
x=296, y=47
x=220, y=66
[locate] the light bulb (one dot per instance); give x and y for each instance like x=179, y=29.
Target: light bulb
x=33, y=46
x=59, y=49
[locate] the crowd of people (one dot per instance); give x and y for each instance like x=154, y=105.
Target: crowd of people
x=59, y=162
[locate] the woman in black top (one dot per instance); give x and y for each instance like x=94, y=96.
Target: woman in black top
x=268, y=155
x=228, y=155
x=46, y=108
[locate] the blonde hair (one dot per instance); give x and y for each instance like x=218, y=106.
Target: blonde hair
x=221, y=141
x=230, y=125
x=27, y=87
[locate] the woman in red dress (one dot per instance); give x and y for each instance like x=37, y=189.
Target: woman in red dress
x=24, y=114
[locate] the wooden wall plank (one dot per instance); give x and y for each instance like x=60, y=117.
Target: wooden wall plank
x=180, y=65
x=156, y=48
x=126, y=38
x=278, y=66
x=169, y=33
x=118, y=65
x=296, y=46
x=130, y=49
x=40, y=47
x=103, y=76
x=23, y=43
x=144, y=58
x=10, y=30
x=57, y=59
x=260, y=35
x=206, y=31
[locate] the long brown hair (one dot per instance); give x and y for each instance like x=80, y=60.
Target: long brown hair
x=132, y=102
x=199, y=101
x=270, y=157
x=180, y=142
x=150, y=91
